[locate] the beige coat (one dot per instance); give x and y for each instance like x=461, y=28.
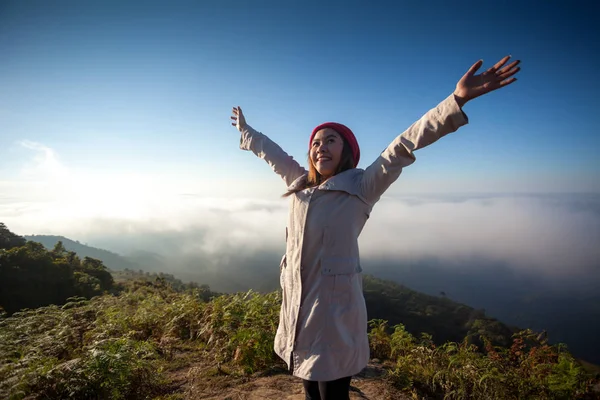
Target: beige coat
x=322, y=333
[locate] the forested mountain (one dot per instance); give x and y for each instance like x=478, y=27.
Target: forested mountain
x=112, y=260
x=32, y=276
x=444, y=319
x=8, y=240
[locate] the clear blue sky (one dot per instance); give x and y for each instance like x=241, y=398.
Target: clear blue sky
x=147, y=87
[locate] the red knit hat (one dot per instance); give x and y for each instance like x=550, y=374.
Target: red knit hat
x=345, y=132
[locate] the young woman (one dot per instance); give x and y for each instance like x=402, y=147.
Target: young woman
x=322, y=333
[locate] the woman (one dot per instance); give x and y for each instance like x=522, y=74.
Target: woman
x=322, y=333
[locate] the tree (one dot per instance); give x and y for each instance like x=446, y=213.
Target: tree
x=97, y=269
x=31, y=276
x=8, y=240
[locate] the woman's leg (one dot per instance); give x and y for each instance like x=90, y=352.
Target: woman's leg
x=335, y=390
x=311, y=390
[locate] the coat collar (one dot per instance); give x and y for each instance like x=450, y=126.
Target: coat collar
x=347, y=181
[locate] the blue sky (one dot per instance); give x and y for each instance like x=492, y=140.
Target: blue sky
x=103, y=95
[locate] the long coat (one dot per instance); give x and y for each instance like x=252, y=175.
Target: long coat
x=322, y=333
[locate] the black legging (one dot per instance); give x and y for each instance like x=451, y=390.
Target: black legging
x=330, y=390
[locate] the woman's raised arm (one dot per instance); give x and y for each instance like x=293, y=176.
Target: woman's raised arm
x=447, y=117
x=251, y=140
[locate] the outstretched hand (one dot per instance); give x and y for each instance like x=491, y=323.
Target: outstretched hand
x=471, y=86
x=238, y=118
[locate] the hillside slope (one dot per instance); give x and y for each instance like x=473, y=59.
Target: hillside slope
x=112, y=260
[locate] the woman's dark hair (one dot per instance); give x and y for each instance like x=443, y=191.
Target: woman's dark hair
x=315, y=179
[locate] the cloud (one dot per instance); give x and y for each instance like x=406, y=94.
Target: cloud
x=210, y=226
x=45, y=194
x=45, y=165
x=548, y=234
x=555, y=235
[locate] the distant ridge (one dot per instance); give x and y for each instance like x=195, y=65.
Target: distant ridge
x=112, y=260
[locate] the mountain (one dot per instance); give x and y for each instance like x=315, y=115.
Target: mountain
x=444, y=319
x=569, y=309
x=9, y=239
x=151, y=261
x=32, y=276
x=146, y=261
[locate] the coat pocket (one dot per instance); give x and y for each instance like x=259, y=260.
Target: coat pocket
x=339, y=278
x=342, y=292
x=340, y=265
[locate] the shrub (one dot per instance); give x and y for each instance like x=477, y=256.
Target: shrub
x=530, y=368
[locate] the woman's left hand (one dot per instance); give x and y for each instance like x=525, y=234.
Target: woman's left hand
x=471, y=86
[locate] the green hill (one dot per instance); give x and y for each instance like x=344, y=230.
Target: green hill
x=444, y=319
x=112, y=260
x=32, y=276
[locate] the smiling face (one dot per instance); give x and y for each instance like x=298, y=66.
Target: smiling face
x=326, y=152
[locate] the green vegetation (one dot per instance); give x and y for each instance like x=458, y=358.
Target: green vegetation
x=439, y=317
x=529, y=369
x=31, y=276
x=166, y=279
x=112, y=260
x=127, y=340
x=124, y=346
x=119, y=347
x=8, y=240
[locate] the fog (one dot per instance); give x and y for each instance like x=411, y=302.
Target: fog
x=554, y=237
x=544, y=234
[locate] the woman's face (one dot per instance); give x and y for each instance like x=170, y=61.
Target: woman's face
x=326, y=152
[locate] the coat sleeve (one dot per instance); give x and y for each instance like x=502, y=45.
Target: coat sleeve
x=447, y=117
x=283, y=164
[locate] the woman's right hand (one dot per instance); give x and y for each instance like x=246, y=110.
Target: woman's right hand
x=238, y=118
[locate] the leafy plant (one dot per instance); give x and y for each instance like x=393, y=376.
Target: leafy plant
x=530, y=368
